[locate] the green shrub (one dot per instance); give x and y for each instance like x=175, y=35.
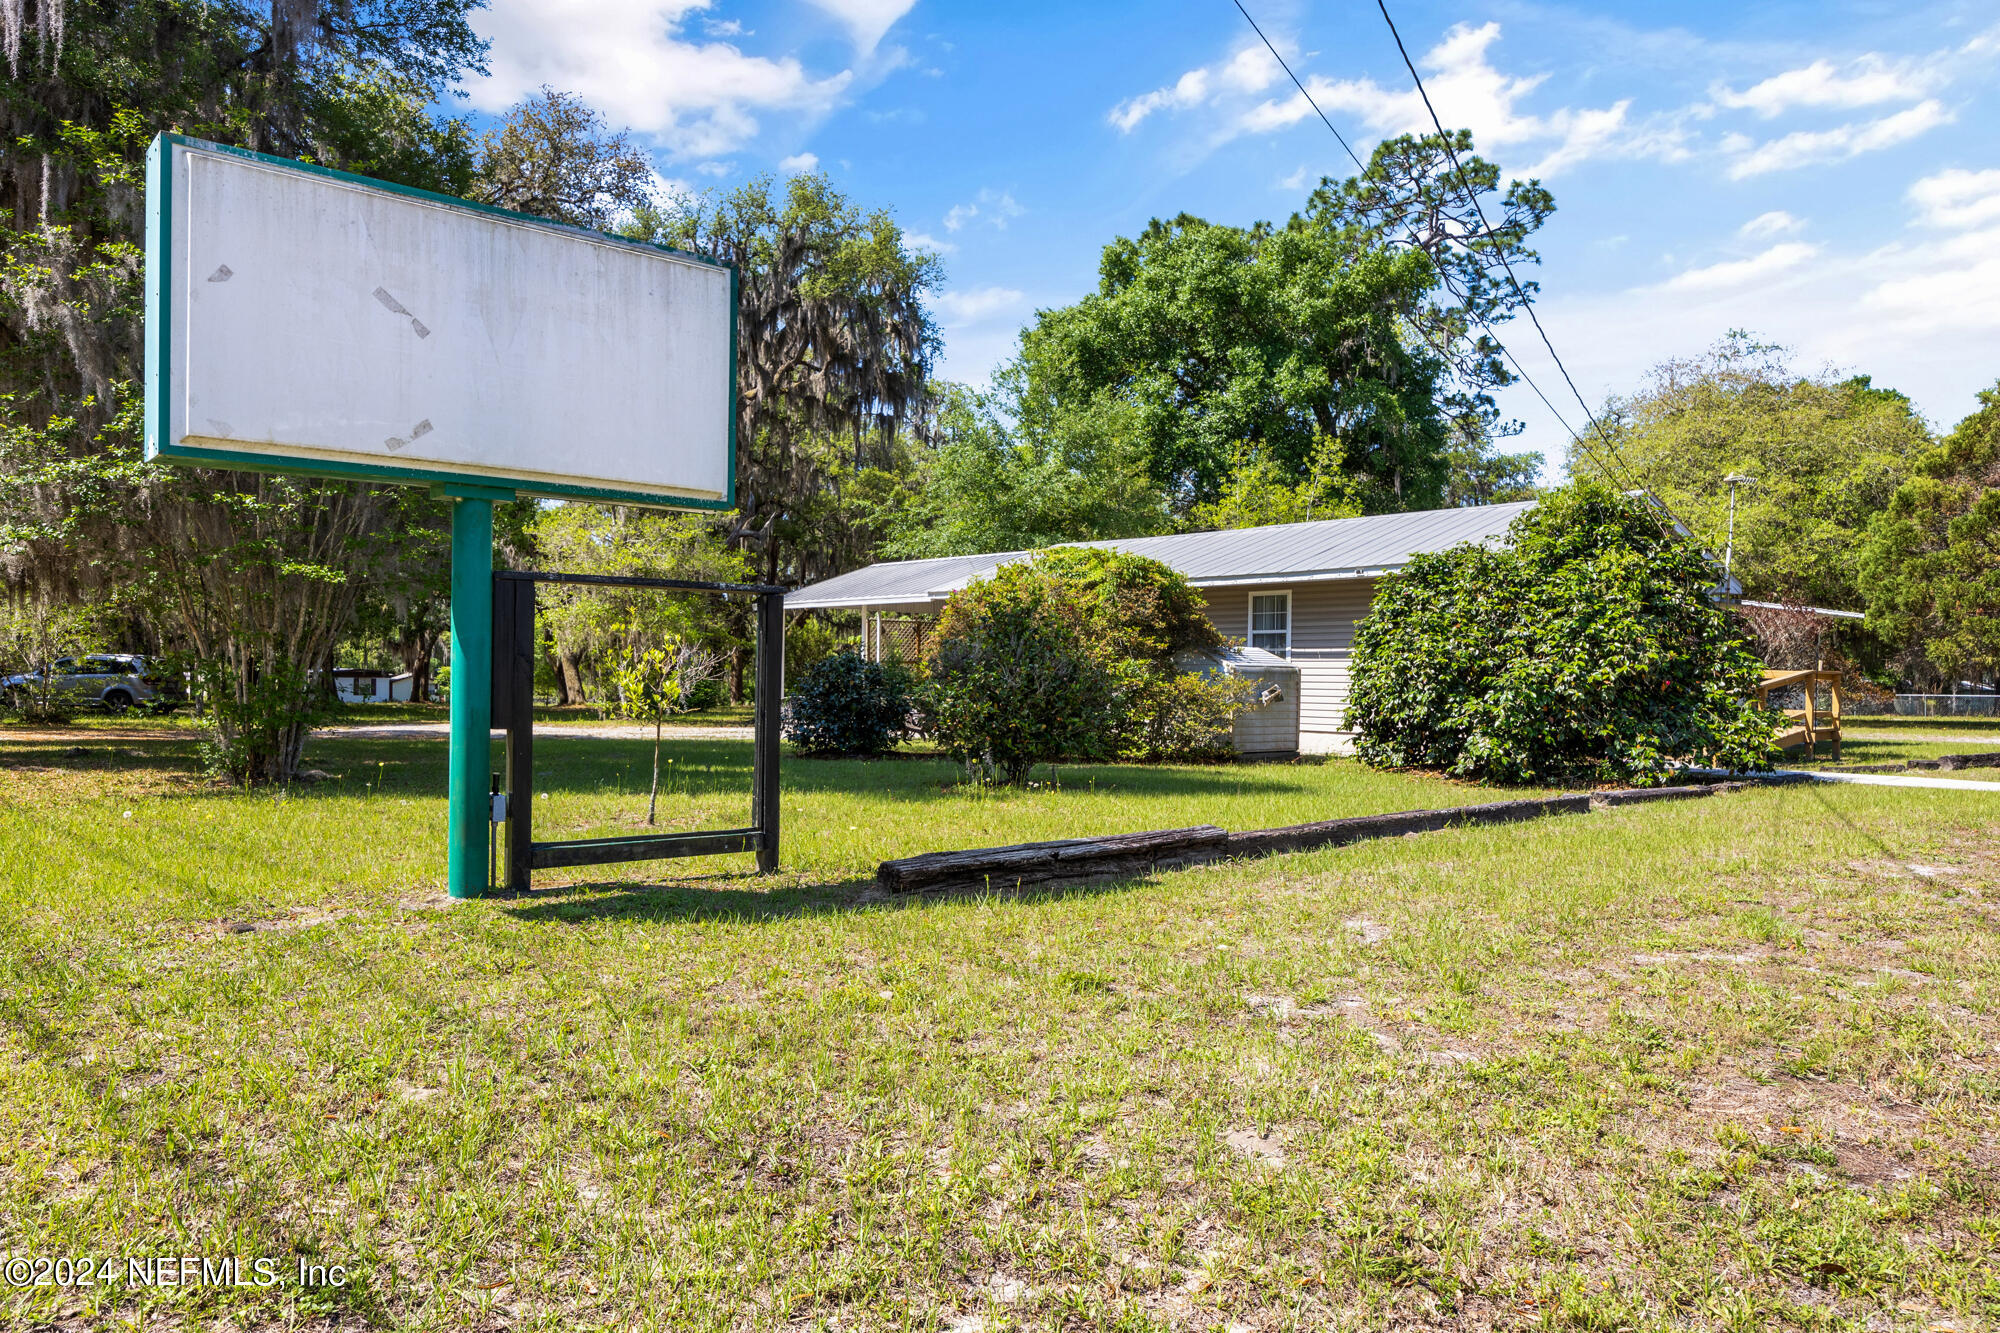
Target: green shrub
x=1018, y=677
x=1588, y=649
x=1070, y=657
x=847, y=705
x=259, y=715
x=1147, y=611
x=707, y=693
x=807, y=644
x=1184, y=716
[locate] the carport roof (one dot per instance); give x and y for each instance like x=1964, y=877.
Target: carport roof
x=1340, y=548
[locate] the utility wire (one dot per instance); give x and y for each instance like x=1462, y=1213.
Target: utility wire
x=1359, y=164
x=1500, y=251
x=1295, y=82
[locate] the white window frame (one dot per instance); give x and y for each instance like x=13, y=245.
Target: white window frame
x=1250, y=617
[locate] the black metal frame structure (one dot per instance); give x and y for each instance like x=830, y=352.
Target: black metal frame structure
x=514, y=650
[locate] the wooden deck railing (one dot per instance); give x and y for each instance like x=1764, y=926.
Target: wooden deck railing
x=1809, y=724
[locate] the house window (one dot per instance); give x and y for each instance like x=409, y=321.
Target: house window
x=1271, y=622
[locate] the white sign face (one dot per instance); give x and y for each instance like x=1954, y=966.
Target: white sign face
x=308, y=321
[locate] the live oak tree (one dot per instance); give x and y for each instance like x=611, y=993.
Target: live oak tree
x=1931, y=566
x=1213, y=338
x=555, y=157
x=834, y=352
x=1361, y=321
x=988, y=474
x=254, y=576
x=586, y=628
x=1827, y=452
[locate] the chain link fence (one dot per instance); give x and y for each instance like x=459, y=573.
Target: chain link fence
x=1937, y=705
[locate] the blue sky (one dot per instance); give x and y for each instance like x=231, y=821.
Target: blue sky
x=1824, y=174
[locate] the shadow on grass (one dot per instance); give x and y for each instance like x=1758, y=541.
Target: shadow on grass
x=708, y=900
x=722, y=767
x=417, y=767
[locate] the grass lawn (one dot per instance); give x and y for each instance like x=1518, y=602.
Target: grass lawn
x=1881, y=740
x=1941, y=726
x=1721, y=1064
x=352, y=715
x=1879, y=748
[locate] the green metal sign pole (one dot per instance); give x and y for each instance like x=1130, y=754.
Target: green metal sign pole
x=470, y=801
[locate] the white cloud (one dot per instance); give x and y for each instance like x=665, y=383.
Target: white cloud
x=995, y=207
x=919, y=240
x=973, y=305
x=1948, y=284
x=629, y=59
x=1249, y=70
x=1464, y=85
x=867, y=20
x=714, y=168
x=1191, y=89
x=1958, y=198
x=1804, y=148
x=1945, y=287
x=1737, y=274
x=1956, y=286
x=1902, y=312
x=799, y=164
x=671, y=187
x=1298, y=180
x=1775, y=223
x=1868, y=81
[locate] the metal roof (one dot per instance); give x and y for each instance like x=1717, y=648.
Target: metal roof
x=1339, y=548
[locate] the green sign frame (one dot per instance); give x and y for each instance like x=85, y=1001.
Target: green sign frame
x=159, y=347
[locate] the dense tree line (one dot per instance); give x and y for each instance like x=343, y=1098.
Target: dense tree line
x=255, y=581
x=1854, y=503
x=1339, y=362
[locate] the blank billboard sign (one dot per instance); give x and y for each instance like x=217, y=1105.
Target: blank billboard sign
x=306, y=320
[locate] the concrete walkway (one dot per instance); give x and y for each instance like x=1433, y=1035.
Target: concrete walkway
x=1991, y=738
x=1889, y=780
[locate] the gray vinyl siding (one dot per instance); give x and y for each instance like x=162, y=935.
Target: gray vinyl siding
x=1323, y=619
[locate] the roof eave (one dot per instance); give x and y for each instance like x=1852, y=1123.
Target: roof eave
x=1293, y=576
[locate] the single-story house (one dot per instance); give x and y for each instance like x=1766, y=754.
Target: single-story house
x=1294, y=589
x=362, y=686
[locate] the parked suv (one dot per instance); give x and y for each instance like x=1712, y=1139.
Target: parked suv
x=114, y=681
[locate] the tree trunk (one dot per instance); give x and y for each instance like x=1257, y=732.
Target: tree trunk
x=555, y=669
x=653, y=797
x=736, y=656
x=420, y=671
x=416, y=651
x=571, y=675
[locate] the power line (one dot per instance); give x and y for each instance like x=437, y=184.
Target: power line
x=1295, y=82
x=1355, y=158
x=1472, y=197
x=1500, y=250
